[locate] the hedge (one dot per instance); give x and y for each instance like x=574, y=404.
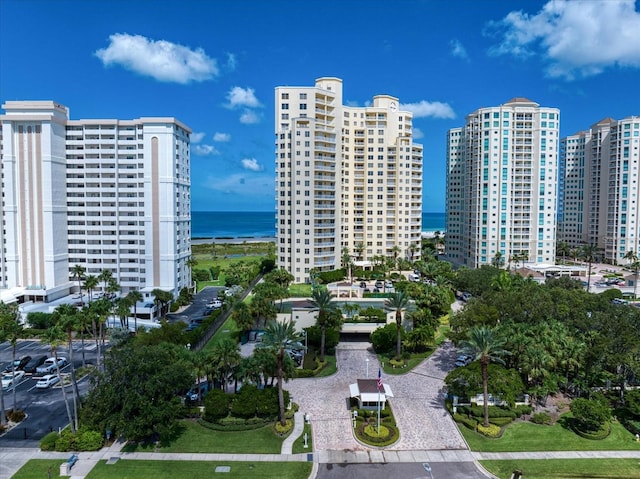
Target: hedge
x=494, y=411
x=602, y=433
x=467, y=422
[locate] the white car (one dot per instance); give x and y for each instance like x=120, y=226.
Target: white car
x=11, y=379
x=47, y=381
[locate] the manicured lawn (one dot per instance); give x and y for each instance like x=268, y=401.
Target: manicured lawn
x=37, y=469
x=330, y=368
x=412, y=362
x=128, y=469
x=564, y=468
x=300, y=290
x=229, y=329
x=526, y=436
x=197, y=438
x=298, y=445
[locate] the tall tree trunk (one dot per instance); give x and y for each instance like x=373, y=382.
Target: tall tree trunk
x=398, y=335
x=3, y=418
x=74, y=383
x=280, y=393
x=13, y=369
x=485, y=390
x=64, y=394
x=323, y=329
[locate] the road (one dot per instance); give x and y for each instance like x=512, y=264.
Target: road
x=442, y=470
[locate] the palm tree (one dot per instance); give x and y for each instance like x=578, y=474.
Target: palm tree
x=225, y=357
x=54, y=336
x=83, y=323
x=563, y=250
x=135, y=297
x=359, y=249
x=398, y=302
x=241, y=314
x=90, y=283
x=78, y=272
x=498, y=260
x=163, y=298
x=485, y=345
x=347, y=263
x=395, y=252
x=122, y=310
x=10, y=329
x=322, y=300
x=190, y=263
x=66, y=318
x=589, y=253
x=281, y=338
x=105, y=276
x=634, y=264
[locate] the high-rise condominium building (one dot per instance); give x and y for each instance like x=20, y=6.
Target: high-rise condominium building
x=502, y=169
x=599, y=195
x=347, y=179
x=104, y=194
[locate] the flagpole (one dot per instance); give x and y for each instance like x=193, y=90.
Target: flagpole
x=379, y=384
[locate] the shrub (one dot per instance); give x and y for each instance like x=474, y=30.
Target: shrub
x=590, y=415
x=48, y=442
x=282, y=430
x=332, y=337
x=501, y=421
x=40, y=320
x=542, y=418
x=332, y=276
x=16, y=415
x=65, y=441
x=244, y=403
x=232, y=421
x=384, y=339
x=491, y=431
x=469, y=423
x=522, y=410
x=216, y=405
x=88, y=440
x=397, y=363
x=268, y=402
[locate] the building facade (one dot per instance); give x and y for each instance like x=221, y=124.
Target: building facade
x=348, y=180
x=599, y=193
x=502, y=174
x=104, y=194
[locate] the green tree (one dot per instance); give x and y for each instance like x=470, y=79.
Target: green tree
x=162, y=298
x=78, y=272
x=590, y=254
x=590, y=414
x=104, y=276
x=322, y=300
x=138, y=393
x=484, y=345
x=241, y=314
x=10, y=330
x=91, y=283
x=281, y=338
x=66, y=318
x=135, y=297
x=54, y=337
x=397, y=303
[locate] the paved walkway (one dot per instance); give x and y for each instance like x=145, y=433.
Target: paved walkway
x=298, y=427
x=418, y=402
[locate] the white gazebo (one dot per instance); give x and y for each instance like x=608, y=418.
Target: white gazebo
x=366, y=390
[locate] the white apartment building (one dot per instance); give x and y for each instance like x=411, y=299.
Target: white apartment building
x=599, y=193
x=346, y=178
x=105, y=194
x=502, y=169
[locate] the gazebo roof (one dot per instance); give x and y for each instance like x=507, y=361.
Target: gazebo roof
x=367, y=390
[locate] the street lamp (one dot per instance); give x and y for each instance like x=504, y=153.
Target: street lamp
x=427, y=467
x=367, y=368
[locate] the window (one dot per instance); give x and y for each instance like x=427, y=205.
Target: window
x=303, y=106
x=303, y=96
x=285, y=106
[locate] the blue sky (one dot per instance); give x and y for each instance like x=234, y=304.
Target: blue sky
x=214, y=65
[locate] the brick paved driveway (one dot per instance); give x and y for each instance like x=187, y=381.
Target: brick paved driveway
x=417, y=405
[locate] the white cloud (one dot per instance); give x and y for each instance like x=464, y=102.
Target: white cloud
x=458, y=50
x=159, y=59
x=249, y=117
x=242, y=97
x=576, y=39
x=241, y=184
x=417, y=133
x=425, y=108
x=251, y=164
x=205, y=150
x=197, y=137
x=221, y=137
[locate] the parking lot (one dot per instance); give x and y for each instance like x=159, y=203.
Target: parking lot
x=44, y=407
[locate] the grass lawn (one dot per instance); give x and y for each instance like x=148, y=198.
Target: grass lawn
x=128, y=469
x=197, y=438
x=229, y=329
x=300, y=290
x=330, y=368
x=37, y=469
x=564, y=468
x=526, y=436
x=298, y=445
x=412, y=362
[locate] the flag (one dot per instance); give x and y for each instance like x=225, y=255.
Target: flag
x=379, y=379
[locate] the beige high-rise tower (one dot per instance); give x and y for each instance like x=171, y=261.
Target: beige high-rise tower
x=348, y=180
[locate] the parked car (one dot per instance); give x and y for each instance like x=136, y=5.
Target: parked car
x=379, y=284
x=216, y=303
x=49, y=366
x=17, y=364
x=466, y=296
x=463, y=360
x=30, y=367
x=388, y=284
x=11, y=379
x=363, y=284
x=192, y=394
x=47, y=381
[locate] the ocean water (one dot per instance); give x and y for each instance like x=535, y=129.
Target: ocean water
x=262, y=224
